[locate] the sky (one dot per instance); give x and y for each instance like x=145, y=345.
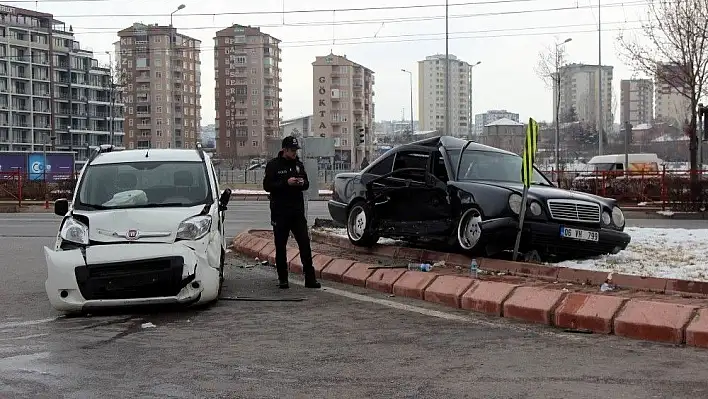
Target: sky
x=506, y=36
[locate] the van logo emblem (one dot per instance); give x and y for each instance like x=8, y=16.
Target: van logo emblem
x=132, y=235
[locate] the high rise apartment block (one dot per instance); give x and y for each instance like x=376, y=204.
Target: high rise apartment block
x=672, y=106
x=431, y=95
x=53, y=94
x=579, y=92
x=160, y=77
x=636, y=101
x=343, y=105
x=247, y=72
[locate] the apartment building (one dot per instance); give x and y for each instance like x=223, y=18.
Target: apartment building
x=636, y=101
x=160, y=77
x=431, y=95
x=671, y=105
x=53, y=94
x=247, y=73
x=482, y=120
x=579, y=91
x=343, y=103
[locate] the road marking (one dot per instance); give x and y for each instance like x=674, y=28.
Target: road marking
x=27, y=323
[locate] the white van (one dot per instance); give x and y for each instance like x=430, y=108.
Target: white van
x=144, y=227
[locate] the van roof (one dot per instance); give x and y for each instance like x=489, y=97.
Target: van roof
x=619, y=158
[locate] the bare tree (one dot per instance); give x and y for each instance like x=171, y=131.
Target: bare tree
x=674, y=50
x=549, y=69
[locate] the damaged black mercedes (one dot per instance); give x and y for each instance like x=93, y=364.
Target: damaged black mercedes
x=450, y=192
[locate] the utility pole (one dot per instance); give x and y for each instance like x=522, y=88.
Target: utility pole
x=447, y=74
x=469, y=102
x=558, y=65
x=600, y=122
x=112, y=97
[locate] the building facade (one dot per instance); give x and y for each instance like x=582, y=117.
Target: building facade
x=636, y=101
x=343, y=104
x=298, y=127
x=504, y=133
x=671, y=105
x=431, y=95
x=482, y=120
x=579, y=94
x=53, y=94
x=159, y=73
x=247, y=72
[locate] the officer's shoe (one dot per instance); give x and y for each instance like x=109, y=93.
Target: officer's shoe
x=283, y=285
x=312, y=283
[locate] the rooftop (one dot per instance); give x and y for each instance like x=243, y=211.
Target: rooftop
x=504, y=122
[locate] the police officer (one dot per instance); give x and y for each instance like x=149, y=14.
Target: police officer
x=285, y=180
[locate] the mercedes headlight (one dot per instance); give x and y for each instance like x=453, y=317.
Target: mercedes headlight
x=194, y=228
x=617, y=217
x=74, y=231
x=515, y=203
x=535, y=208
x=606, y=218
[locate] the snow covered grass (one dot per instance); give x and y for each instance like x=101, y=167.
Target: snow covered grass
x=653, y=252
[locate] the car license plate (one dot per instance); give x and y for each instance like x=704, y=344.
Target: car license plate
x=577, y=234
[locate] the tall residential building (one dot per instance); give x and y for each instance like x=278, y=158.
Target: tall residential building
x=431, y=95
x=482, y=120
x=671, y=105
x=636, y=101
x=52, y=93
x=343, y=103
x=247, y=72
x=578, y=91
x=160, y=76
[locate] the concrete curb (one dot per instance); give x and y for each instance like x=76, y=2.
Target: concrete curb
x=605, y=314
x=541, y=272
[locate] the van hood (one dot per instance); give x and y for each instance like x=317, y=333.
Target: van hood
x=144, y=225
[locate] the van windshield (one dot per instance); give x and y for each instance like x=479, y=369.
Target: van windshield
x=144, y=185
x=603, y=167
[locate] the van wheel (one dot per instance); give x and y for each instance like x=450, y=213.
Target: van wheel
x=469, y=230
x=359, y=229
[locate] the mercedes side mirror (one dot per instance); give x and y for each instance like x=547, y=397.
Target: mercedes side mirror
x=224, y=199
x=61, y=207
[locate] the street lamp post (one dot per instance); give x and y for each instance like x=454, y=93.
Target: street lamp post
x=447, y=74
x=558, y=96
x=469, y=101
x=411, y=79
x=172, y=43
x=111, y=98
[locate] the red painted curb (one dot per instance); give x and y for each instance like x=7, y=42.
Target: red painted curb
x=533, y=304
x=606, y=314
x=654, y=321
x=588, y=312
x=447, y=290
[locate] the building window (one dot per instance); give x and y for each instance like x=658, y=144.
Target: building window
x=159, y=110
x=255, y=122
x=254, y=143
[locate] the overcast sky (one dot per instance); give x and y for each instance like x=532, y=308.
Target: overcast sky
x=505, y=35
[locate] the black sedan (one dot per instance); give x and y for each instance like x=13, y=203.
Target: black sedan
x=459, y=193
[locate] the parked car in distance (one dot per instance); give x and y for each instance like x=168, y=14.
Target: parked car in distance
x=453, y=192
x=144, y=227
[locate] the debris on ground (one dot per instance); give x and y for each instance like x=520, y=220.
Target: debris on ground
x=147, y=325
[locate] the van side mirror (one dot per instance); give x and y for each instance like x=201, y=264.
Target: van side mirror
x=224, y=199
x=61, y=207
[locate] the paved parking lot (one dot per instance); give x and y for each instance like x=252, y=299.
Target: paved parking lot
x=339, y=342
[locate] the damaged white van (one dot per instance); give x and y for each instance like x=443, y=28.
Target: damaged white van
x=144, y=227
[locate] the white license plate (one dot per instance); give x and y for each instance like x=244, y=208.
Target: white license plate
x=577, y=234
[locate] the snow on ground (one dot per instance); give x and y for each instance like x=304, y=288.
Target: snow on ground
x=653, y=252
x=240, y=191
x=668, y=253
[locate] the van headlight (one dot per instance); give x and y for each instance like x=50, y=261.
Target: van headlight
x=617, y=217
x=194, y=228
x=74, y=231
x=515, y=203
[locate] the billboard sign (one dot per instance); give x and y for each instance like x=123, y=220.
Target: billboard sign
x=59, y=166
x=11, y=164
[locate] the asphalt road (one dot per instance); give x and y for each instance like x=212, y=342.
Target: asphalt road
x=339, y=342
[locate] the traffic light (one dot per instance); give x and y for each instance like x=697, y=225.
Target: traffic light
x=362, y=135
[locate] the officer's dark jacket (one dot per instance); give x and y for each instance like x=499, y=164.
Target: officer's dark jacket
x=284, y=198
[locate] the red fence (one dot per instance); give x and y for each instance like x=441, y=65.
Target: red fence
x=670, y=189
x=21, y=186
